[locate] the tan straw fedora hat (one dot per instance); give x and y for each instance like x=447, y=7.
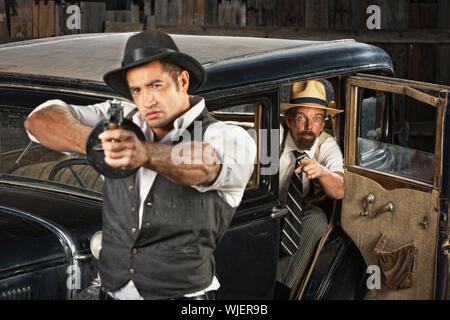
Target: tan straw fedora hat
x=310, y=94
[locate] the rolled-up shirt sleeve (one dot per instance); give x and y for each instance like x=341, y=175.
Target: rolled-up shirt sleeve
x=331, y=156
x=236, y=150
x=88, y=115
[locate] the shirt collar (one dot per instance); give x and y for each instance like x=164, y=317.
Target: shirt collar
x=197, y=106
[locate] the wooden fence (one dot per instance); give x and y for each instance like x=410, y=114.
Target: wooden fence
x=414, y=32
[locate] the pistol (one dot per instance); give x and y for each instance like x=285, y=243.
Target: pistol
x=114, y=115
x=94, y=149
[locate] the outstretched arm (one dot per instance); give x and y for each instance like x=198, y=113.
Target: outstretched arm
x=56, y=128
x=189, y=163
x=332, y=182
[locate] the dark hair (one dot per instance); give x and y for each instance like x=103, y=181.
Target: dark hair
x=290, y=113
x=173, y=70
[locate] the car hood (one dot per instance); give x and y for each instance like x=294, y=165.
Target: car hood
x=71, y=217
x=26, y=244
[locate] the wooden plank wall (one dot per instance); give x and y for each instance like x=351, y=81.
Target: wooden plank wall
x=331, y=15
x=4, y=32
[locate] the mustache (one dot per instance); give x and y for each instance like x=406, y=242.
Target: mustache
x=307, y=133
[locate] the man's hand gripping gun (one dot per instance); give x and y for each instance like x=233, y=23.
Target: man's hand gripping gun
x=114, y=120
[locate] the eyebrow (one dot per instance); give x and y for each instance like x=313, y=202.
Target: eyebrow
x=317, y=114
x=147, y=84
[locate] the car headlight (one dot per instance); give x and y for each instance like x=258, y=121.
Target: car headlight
x=96, y=244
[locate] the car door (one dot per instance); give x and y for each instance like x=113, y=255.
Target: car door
x=394, y=151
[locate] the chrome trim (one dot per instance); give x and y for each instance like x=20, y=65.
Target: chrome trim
x=59, y=189
x=65, y=239
x=82, y=257
x=277, y=213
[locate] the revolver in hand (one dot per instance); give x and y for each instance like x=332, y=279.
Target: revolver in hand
x=94, y=149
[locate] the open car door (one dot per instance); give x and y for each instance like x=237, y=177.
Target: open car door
x=395, y=198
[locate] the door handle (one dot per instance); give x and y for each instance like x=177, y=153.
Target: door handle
x=370, y=199
x=389, y=207
x=278, y=212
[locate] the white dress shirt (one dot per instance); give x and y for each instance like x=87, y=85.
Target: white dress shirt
x=228, y=141
x=330, y=156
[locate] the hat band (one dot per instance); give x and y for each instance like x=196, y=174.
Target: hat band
x=143, y=53
x=308, y=100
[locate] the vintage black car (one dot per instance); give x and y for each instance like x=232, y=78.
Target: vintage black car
x=394, y=134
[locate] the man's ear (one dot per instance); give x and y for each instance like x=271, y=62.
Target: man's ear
x=287, y=122
x=183, y=80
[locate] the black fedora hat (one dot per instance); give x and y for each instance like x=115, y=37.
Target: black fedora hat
x=149, y=46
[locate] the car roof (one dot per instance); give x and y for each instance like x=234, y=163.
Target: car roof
x=229, y=61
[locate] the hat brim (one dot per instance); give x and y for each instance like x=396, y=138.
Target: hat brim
x=197, y=74
x=332, y=111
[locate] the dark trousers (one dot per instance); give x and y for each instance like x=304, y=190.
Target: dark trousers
x=314, y=225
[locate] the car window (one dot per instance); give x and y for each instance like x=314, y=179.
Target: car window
x=247, y=116
x=19, y=157
x=396, y=135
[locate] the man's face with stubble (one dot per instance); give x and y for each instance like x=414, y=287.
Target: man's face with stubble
x=305, y=125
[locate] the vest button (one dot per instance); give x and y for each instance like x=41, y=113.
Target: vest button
x=135, y=251
x=130, y=187
x=133, y=209
x=131, y=271
x=134, y=230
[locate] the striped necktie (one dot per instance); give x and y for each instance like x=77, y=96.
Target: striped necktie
x=290, y=237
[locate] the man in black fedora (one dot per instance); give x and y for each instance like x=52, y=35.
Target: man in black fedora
x=161, y=224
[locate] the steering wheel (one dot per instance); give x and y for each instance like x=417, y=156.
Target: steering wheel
x=69, y=163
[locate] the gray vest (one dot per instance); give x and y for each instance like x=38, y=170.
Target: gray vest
x=172, y=254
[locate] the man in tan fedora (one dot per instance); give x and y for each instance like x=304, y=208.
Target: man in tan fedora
x=308, y=153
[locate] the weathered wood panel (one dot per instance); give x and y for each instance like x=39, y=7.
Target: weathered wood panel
x=399, y=56
x=211, y=12
x=175, y=11
x=421, y=67
x=316, y=14
x=161, y=12
x=21, y=15
x=290, y=13
x=260, y=13
x=340, y=15
x=135, y=13
x=252, y=13
x=115, y=26
x=421, y=62
x=46, y=19
x=188, y=11
x=224, y=13
x=444, y=10
x=232, y=13
x=423, y=15
x=118, y=15
x=92, y=16
x=266, y=12
x=61, y=18
x=35, y=5
x=169, y=12
x=394, y=14
x=199, y=12
x=443, y=63
x=4, y=34
x=359, y=15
